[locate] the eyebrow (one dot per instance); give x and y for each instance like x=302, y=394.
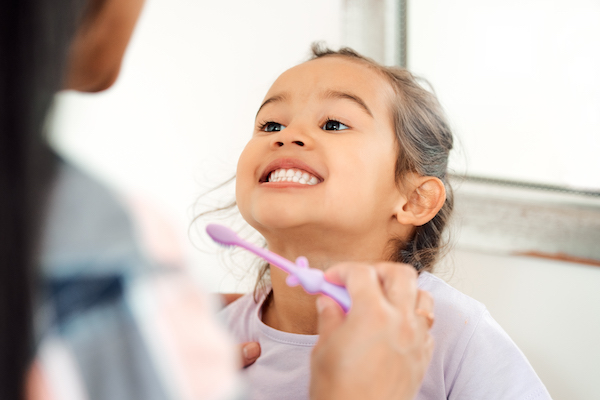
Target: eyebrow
x=274, y=99
x=330, y=94
x=335, y=94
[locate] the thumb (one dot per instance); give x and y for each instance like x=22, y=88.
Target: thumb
x=250, y=351
x=331, y=316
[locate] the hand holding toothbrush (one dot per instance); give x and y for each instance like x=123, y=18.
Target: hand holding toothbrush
x=382, y=347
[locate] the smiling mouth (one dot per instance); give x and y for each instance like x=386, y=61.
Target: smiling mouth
x=294, y=175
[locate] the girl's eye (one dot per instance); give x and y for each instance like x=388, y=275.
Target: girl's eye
x=333, y=125
x=273, y=127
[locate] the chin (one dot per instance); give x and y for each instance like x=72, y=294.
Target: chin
x=278, y=222
x=276, y=218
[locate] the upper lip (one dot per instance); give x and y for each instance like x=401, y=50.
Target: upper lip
x=288, y=163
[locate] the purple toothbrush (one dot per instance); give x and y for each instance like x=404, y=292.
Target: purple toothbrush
x=311, y=279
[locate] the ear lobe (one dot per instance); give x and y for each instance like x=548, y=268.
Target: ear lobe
x=426, y=196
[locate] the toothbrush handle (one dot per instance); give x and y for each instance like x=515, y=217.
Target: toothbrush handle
x=271, y=257
x=338, y=293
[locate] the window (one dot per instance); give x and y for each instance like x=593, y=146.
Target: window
x=520, y=82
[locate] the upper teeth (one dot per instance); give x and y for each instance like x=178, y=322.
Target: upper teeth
x=293, y=175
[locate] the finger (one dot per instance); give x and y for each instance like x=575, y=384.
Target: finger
x=399, y=284
x=428, y=347
x=338, y=273
x=250, y=351
x=360, y=280
x=424, y=308
x=331, y=316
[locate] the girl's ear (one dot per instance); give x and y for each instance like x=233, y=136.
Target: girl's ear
x=425, y=197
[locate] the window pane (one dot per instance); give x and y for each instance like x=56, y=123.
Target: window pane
x=520, y=81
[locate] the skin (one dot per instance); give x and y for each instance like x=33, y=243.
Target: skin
x=97, y=51
x=357, y=206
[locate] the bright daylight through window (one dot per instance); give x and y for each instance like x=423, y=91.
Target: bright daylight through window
x=520, y=81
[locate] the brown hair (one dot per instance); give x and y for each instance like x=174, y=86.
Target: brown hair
x=425, y=140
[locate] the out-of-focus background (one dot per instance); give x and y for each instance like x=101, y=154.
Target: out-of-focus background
x=519, y=80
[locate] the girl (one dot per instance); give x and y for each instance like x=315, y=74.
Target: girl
x=348, y=162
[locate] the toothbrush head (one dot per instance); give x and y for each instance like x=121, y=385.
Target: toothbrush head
x=222, y=235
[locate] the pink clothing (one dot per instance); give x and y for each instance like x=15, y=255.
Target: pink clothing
x=473, y=358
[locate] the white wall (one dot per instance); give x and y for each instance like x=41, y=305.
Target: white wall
x=551, y=309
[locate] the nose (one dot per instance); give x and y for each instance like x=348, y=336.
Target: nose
x=297, y=142
x=291, y=136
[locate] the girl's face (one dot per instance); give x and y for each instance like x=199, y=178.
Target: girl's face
x=323, y=152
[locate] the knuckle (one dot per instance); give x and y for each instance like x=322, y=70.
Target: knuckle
x=407, y=270
x=379, y=316
x=363, y=273
x=399, y=269
x=427, y=300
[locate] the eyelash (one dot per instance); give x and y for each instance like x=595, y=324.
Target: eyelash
x=328, y=119
x=263, y=124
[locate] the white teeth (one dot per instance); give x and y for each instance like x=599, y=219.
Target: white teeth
x=293, y=175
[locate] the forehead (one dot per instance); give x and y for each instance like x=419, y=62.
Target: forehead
x=334, y=73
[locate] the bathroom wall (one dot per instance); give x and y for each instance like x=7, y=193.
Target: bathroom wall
x=550, y=308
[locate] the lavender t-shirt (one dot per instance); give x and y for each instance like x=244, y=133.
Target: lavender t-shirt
x=473, y=357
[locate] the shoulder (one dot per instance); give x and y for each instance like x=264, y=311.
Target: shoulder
x=491, y=357
x=240, y=306
x=451, y=304
x=457, y=317
x=240, y=316
x=88, y=229
x=473, y=353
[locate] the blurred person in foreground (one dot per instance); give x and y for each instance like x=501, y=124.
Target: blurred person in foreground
x=112, y=320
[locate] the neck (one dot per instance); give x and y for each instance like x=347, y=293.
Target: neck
x=291, y=309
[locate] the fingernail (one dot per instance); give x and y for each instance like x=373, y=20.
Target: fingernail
x=251, y=351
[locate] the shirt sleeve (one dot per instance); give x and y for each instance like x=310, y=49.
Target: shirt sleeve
x=492, y=367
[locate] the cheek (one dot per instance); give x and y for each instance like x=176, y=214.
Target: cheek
x=367, y=182
x=367, y=165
